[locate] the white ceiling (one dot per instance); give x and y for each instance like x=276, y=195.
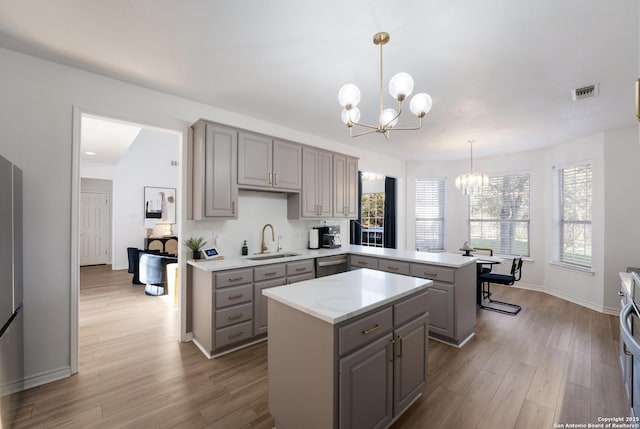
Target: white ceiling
x=499, y=71
x=105, y=141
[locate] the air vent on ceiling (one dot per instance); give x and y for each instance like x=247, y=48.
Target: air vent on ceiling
x=584, y=92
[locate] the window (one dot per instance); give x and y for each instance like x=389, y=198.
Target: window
x=430, y=213
x=373, y=219
x=499, y=215
x=575, y=214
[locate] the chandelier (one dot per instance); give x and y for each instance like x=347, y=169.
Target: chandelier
x=471, y=183
x=400, y=87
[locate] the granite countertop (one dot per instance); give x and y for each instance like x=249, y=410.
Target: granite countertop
x=452, y=260
x=340, y=297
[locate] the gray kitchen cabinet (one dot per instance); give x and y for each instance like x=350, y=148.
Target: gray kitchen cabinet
x=214, y=169
x=366, y=380
x=222, y=309
x=316, y=197
x=356, y=262
x=410, y=362
x=345, y=186
x=260, y=315
x=441, y=309
x=393, y=266
x=264, y=162
x=452, y=300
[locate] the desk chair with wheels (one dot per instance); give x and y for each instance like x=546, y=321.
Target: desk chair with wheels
x=503, y=279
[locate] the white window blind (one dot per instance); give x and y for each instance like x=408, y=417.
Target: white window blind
x=430, y=213
x=499, y=215
x=575, y=215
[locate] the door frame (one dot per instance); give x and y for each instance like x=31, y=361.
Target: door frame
x=181, y=130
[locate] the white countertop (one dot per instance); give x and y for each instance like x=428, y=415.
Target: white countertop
x=452, y=260
x=340, y=297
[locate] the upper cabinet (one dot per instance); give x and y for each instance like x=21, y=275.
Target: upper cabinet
x=267, y=163
x=214, y=169
x=316, y=198
x=345, y=187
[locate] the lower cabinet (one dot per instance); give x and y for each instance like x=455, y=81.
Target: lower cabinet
x=381, y=380
x=441, y=309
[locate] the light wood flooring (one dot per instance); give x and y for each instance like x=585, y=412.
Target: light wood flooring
x=555, y=362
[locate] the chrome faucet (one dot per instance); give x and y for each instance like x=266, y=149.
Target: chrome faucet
x=263, y=246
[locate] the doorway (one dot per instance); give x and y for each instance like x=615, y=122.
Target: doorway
x=129, y=156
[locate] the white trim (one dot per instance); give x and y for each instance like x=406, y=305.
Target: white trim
x=47, y=377
x=74, y=298
x=575, y=300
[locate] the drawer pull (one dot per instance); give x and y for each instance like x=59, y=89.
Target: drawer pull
x=273, y=273
x=236, y=335
x=392, y=268
x=431, y=274
x=240, y=295
x=235, y=317
x=371, y=329
x=363, y=262
x=235, y=279
x=620, y=293
x=300, y=269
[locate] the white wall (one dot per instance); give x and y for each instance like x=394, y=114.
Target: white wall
x=36, y=134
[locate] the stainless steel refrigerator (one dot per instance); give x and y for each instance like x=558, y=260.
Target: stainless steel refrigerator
x=11, y=281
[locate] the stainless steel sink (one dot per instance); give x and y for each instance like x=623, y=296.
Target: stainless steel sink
x=272, y=256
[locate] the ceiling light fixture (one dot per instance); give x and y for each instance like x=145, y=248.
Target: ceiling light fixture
x=400, y=87
x=471, y=183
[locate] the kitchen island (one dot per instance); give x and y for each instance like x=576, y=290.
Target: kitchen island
x=348, y=350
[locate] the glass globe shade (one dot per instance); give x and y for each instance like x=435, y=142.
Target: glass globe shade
x=349, y=94
x=386, y=116
x=352, y=115
x=420, y=104
x=401, y=85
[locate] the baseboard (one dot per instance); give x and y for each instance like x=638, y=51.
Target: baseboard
x=47, y=377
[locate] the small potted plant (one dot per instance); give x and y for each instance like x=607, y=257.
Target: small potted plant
x=195, y=244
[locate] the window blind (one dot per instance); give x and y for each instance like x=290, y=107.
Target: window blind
x=499, y=215
x=430, y=213
x=575, y=215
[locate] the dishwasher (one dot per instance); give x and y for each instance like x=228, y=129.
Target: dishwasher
x=329, y=265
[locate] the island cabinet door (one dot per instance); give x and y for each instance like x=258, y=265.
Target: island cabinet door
x=441, y=309
x=366, y=386
x=410, y=362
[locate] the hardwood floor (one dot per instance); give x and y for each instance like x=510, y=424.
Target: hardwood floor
x=555, y=362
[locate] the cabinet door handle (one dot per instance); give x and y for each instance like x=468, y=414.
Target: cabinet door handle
x=233, y=206
x=270, y=178
x=236, y=335
x=275, y=177
x=235, y=316
x=240, y=295
x=390, y=348
x=371, y=329
x=400, y=341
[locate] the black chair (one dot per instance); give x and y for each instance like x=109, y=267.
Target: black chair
x=486, y=252
x=503, y=279
x=132, y=254
x=152, y=272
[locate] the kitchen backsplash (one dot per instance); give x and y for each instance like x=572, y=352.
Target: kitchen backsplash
x=255, y=209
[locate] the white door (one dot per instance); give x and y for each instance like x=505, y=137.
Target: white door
x=94, y=228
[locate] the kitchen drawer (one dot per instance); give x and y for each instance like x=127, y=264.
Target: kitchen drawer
x=300, y=267
x=300, y=278
x=363, y=262
x=355, y=334
x=234, y=334
x=232, y=315
x=269, y=272
x=432, y=272
x=410, y=308
x=392, y=266
x=233, y=278
x=234, y=295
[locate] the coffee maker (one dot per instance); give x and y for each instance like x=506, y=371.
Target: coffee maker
x=330, y=236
